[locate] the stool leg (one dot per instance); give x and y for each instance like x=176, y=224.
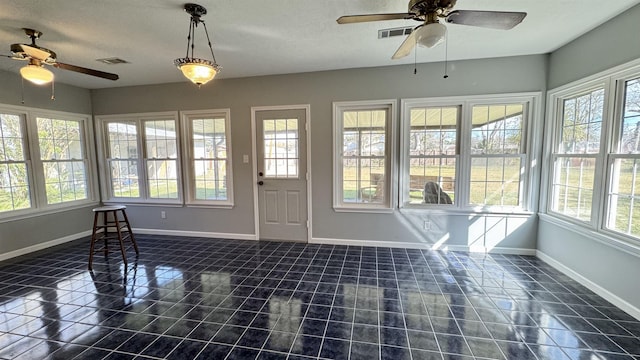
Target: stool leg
x=133, y=240
x=93, y=240
x=124, y=255
x=105, y=218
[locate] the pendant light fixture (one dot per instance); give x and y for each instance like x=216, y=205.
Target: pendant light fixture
x=199, y=71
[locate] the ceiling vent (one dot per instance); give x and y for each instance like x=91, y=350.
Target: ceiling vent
x=113, y=61
x=387, y=33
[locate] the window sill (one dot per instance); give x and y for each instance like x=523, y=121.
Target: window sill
x=605, y=237
x=456, y=211
x=368, y=210
x=210, y=206
x=31, y=213
x=143, y=203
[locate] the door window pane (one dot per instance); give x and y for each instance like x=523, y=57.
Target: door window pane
x=281, y=141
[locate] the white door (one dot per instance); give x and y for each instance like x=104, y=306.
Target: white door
x=281, y=173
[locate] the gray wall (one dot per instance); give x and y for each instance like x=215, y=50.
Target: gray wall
x=18, y=234
x=611, y=44
x=320, y=89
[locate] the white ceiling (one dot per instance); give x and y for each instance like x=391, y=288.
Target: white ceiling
x=257, y=37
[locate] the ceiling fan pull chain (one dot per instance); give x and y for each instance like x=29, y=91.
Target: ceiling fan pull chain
x=446, y=53
x=53, y=91
x=415, y=58
x=22, y=92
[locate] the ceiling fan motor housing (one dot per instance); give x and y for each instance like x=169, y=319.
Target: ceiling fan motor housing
x=428, y=6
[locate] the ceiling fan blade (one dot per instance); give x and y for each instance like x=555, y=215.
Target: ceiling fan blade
x=407, y=45
x=98, y=73
x=501, y=20
x=351, y=19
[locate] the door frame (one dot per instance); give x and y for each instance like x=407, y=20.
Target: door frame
x=256, y=209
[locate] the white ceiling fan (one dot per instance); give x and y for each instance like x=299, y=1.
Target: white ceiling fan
x=431, y=32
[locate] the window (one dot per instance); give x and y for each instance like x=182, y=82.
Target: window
x=624, y=194
x=15, y=193
x=576, y=153
x=433, y=149
x=45, y=161
x=141, y=153
x=467, y=152
x=63, y=159
x=594, y=180
x=497, y=155
x=208, y=151
x=363, y=149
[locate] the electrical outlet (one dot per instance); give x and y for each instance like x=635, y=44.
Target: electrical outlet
x=427, y=225
x=163, y=215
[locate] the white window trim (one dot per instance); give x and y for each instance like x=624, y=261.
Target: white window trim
x=391, y=185
x=611, y=78
x=187, y=157
x=35, y=174
x=138, y=118
x=532, y=102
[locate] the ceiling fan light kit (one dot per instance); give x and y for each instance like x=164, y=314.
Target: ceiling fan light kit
x=199, y=71
x=431, y=35
x=36, y=74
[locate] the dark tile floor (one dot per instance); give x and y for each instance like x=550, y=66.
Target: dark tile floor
x=193, y=298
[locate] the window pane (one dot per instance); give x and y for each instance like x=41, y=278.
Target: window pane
x=14, y=187
x=124, y=178
x=211, y=183
x=160, y=138
x=280, y=148
x=495, y=181
x=572, y=188
x=363, y=181
x=59, y=139
x=624, y=198
x=163, y=179
x=432, y=149
x=630, y=141
x=64, y=181
x=11, y=138
x=497, y=129
x=582, y=123
x=209, y=150
x=123, y=143
x=363, y=157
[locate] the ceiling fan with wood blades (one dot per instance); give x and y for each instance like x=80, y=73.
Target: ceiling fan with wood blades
x=39, y=56
x=431, y=32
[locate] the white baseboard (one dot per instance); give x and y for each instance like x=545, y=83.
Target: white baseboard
x=44, y=245
x=606, y=294
x=411, y=245
x=195, y=234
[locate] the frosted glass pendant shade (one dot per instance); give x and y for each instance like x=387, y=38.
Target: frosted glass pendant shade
x=36, y=74
x=431, y=35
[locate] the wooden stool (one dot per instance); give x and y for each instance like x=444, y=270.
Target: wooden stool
x=122, y=227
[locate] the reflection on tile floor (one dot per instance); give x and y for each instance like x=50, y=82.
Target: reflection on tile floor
x=191, y=298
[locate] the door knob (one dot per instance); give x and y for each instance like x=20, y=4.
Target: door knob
x=260, y=182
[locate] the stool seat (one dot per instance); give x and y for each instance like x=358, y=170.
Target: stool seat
x=119, y=222
x=109, y=208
